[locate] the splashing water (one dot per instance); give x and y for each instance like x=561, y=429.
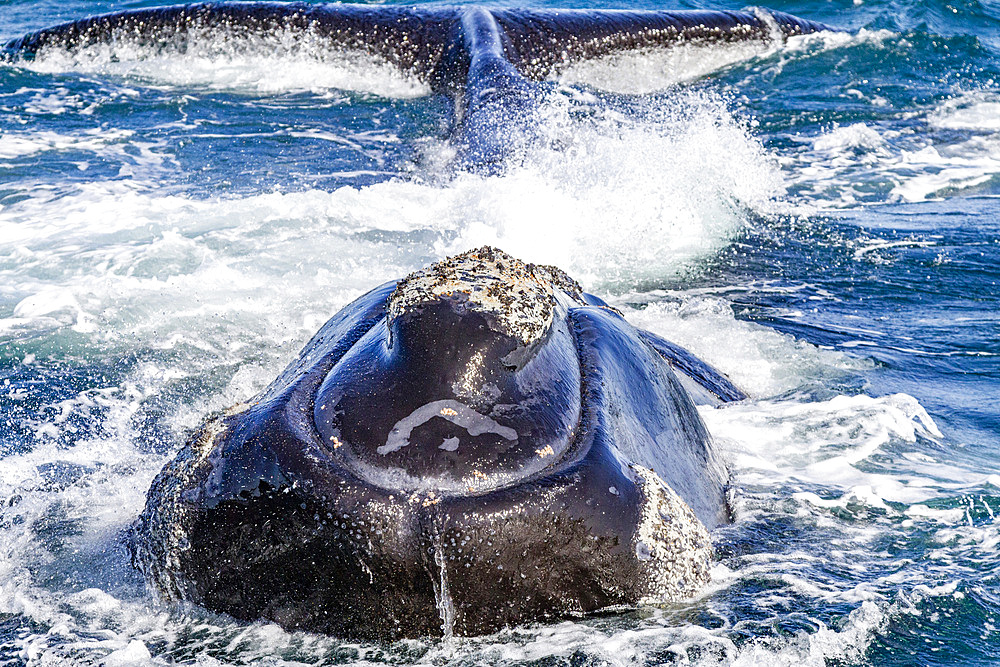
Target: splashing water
x=174, y=226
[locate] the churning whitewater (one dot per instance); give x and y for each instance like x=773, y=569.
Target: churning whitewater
x=816, y=219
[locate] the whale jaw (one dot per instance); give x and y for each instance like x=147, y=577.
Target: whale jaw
x=361, y=563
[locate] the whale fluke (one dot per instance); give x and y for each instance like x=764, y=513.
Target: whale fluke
x=415, y=39
x=488, y=61
x=544, y=41
x=410, y=39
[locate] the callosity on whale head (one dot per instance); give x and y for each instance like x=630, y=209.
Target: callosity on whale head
x=478, y=445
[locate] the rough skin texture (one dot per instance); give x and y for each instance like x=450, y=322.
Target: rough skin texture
x=167, y=527
x=672, y=542
x=315, y=547
x=520, y=297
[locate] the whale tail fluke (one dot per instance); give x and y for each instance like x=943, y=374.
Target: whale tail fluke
x=486, y=60
x=422, y=41
x=410, y=39
x=544, y=42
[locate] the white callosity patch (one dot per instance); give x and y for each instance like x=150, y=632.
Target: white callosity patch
x=519, y=297
x=671, y=543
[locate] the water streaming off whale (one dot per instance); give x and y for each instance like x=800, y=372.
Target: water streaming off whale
x=444, y=602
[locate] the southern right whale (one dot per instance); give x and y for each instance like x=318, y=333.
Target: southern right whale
x=488, y=61
x=474, y=446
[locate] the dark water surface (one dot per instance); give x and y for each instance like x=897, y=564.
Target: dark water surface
x=820, y=221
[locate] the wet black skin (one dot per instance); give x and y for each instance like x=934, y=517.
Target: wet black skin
x=283, y=525
x=490, y=62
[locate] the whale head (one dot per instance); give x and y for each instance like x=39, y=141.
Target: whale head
x=477, y=445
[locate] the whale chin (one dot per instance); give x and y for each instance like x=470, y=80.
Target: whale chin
x=479, y=445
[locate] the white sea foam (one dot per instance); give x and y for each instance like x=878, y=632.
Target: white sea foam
x=817, y=42
x=930, y=171
x=282, y=62
x=117, y=144
x=760, y=360
x=824, y=442
x=648, y=70
x=862, y=162
x=675, y=186
x=968, y=111
x=856, y=136
x=675, y=190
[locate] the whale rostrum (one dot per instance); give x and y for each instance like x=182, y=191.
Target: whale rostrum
x=477, y=445
x=488, y=61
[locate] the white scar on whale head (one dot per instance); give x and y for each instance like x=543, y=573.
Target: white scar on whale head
x=455, y=412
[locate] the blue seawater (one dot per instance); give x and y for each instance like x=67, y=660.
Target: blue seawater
x=819, y=220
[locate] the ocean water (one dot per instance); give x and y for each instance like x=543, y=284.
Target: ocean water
x=819, y=220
